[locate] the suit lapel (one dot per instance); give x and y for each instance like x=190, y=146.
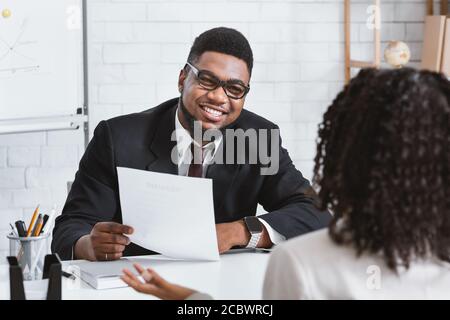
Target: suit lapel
x=162, y=145
x=223, y=176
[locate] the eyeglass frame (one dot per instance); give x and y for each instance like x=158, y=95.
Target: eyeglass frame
x=220, y=83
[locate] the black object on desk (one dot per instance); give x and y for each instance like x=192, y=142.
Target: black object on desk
x=21, y=228
x=68, y=275
x=52, y=272
x=45, y=219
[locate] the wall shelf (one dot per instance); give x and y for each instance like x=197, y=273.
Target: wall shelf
x=349, y=62
x=443, y=7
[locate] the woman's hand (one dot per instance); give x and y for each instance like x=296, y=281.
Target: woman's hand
x=154, y=284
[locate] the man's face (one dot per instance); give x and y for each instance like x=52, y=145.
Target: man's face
x=213, y=107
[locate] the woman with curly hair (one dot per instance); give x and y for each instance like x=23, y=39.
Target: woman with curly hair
x=383, y=168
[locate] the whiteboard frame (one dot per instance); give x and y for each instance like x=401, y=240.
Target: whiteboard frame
x=64, y=122
x=71, y=122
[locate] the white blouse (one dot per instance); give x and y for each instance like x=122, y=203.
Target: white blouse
x=312, y=266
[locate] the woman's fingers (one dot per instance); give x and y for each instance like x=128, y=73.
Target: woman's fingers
x=131, y=278
x=144, y=273
x=138, y=267
x=156, y=278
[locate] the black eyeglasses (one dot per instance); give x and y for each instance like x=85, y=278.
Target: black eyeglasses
x=234, y=89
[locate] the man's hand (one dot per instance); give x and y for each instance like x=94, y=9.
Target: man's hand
x=231, y=234
x=155, y=285
x=236, y=234
x=105, y=242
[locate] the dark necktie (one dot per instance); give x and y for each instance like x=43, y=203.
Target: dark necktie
x=196, y=169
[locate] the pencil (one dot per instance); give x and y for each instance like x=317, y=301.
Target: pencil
x=33, y=219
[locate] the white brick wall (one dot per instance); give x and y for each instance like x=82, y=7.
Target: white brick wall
x=34, y=169
x=137, y=47
x=23, y=156
x=2, y=157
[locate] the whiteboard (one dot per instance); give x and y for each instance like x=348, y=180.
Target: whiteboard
x=41, y=58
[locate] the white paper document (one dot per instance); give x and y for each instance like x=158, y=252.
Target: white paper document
x=170, y=214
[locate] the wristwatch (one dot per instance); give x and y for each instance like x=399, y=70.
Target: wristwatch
x=255, y=227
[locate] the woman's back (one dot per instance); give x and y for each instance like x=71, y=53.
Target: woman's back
x=313, y=266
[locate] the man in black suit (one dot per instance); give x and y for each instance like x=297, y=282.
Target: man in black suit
x=213, y=85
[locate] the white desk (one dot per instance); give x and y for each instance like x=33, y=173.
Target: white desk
x=235, y=276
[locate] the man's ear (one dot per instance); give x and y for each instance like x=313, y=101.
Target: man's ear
x=181, y=79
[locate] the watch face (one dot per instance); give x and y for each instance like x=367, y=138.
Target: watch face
x=253, y=224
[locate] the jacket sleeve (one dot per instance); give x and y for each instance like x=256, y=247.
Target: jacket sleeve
x=290, y=200
x=93, y=197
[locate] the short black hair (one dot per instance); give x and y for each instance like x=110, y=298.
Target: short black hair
x=223, y=40
x=383, y=165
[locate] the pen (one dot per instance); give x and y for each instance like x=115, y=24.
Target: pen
x=50, y=219
x=67, y=275
x=45, y=219
x=38, y=226
x=18, y=241
x=20, y=225
x=33, y=219
x=21, y=229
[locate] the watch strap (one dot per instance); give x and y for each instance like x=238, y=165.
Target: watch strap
x=254, y=239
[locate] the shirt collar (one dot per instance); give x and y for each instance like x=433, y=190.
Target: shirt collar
x=184, y=139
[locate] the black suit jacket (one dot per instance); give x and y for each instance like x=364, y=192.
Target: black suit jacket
x=143, y=141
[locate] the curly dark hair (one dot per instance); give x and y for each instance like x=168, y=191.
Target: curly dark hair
x=223, y=40
x=382, y=165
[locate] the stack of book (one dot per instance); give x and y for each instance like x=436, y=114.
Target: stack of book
x=104, y=275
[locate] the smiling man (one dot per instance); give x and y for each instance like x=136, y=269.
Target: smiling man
x=213, y=85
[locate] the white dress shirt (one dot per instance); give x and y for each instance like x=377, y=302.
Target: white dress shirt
x=184, y=141
x=313, y=266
